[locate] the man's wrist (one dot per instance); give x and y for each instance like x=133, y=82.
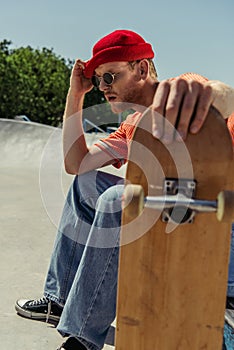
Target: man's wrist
x=74, y=104
x=74, y=95
x=223, y=98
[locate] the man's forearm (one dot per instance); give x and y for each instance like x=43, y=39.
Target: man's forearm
x=74, y=144
x=223, y=97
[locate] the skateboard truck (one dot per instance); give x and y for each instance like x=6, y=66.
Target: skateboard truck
x=178, y=204
x=179, y=192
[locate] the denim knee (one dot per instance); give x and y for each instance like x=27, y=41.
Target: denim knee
x=94, y=183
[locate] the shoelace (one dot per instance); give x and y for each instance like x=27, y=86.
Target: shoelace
x=40, y=301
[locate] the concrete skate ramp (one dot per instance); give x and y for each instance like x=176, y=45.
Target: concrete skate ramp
x=33, y=187
x=23, y=143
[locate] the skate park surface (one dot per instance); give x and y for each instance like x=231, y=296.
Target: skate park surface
x=33, y=186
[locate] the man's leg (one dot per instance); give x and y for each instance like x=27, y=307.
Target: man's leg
x=76, y=221
x=91, y=304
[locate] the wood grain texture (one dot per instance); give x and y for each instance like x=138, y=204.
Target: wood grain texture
x=172, y=286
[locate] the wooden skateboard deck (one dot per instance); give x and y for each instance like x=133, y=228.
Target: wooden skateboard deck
x=173, y=277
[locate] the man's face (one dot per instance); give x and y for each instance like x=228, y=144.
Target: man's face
x=125, y=87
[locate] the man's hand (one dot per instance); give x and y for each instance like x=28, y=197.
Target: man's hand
x=79, y=85
x=184, y=104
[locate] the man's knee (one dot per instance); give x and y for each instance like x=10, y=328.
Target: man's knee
x=113, y=193
x=94, y=183
x=109, y=201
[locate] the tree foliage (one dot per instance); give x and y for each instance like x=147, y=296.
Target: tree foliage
x=34, y=83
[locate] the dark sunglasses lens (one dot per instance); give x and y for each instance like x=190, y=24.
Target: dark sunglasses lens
x=95, y=81
x=108, y=78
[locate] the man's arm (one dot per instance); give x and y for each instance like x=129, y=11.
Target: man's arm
x=78, y=158
x=188, y=99
x=223, y=97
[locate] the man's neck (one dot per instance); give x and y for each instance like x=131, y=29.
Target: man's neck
x=147, y=97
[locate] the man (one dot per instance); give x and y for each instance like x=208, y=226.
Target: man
x=82, y=277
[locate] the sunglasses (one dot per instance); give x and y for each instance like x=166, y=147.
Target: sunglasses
x=108, y=79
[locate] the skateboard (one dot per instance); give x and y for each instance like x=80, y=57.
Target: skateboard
x=175, y=238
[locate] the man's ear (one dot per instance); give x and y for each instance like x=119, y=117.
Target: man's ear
x=144, y=68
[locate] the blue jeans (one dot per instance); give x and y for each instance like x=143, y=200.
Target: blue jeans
x=83, y=270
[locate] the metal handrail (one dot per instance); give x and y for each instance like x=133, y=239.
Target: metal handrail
x=93, y=125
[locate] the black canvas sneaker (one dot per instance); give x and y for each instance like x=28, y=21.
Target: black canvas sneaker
x=41, y=309
x=230, y=303
x=72, y=344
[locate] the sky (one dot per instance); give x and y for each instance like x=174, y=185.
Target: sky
x=187, y=36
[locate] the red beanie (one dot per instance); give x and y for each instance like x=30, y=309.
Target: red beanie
x=120, y=45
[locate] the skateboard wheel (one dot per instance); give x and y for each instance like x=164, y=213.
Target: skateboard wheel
x=133, y=199
x=225, y=206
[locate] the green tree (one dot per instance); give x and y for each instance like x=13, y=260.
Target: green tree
x=35, y=83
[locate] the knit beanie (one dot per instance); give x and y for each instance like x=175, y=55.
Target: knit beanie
x=120, y=45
